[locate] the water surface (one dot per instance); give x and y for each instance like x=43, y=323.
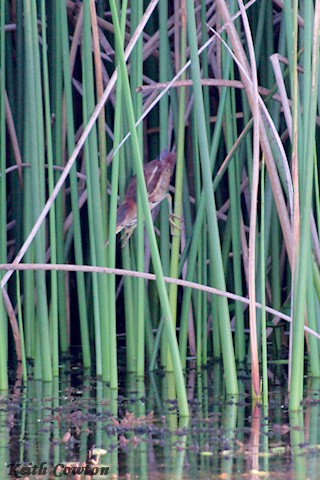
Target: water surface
x=140, y=430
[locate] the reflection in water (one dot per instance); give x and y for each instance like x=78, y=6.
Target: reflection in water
x=140, y=434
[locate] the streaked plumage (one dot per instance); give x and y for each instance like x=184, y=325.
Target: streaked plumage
x=157, y=174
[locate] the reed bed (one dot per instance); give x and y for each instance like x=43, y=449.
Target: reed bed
x=92, y=90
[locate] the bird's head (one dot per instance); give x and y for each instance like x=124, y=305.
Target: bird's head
x=170, y=161
x=163, y=154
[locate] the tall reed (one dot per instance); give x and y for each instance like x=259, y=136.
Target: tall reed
x=3, y=203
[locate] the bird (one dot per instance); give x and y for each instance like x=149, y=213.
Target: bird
x=157, y=174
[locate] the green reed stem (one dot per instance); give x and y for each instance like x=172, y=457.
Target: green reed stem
x=197, y=230
x=235, y=215
x=3, y=204
x=316, y=279
x=118, y=131
x=55, y=41
x=28, y=276
x=109, y=365
x=163, y=122
x=164, y=75
x=213, y=231
x=140, y=288
x=21, y=330
x=36, y=144
x=128, y=259
x=302, y=266
x=101, y=118
x=181, y=390
x=312, y=323
x=199, y=319
x=81, y=290
x=131, y=341
x=53, y=247
x=263, y=293
x=176, y=238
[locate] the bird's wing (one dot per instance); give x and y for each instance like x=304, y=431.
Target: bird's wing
x=131, y=192
x=152, y=172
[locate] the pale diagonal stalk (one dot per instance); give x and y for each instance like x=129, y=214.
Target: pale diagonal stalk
x=181, y=390
x=150, y=276
x=213, y=230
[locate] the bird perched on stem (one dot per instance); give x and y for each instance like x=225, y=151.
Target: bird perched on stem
x=157, y=174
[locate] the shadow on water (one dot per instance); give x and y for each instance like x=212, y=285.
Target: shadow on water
x=56, y=430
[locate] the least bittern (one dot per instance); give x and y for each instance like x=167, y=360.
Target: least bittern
x=157, y=174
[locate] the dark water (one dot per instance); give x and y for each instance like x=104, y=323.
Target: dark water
x=143, y=436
